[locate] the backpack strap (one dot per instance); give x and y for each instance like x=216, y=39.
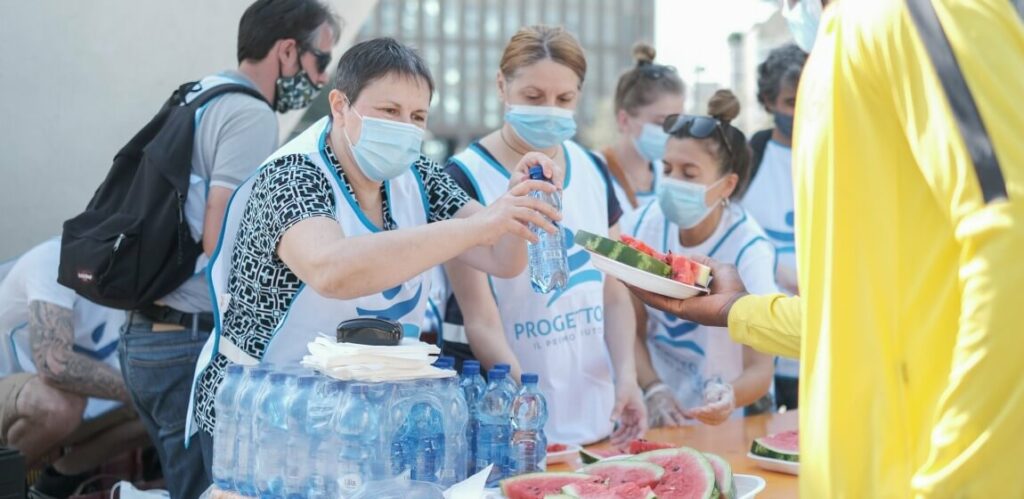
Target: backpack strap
x=758, y=143
x=219, y=90
x=965, y=109
x=620, y=175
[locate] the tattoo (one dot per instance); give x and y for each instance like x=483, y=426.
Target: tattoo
x=52, y=339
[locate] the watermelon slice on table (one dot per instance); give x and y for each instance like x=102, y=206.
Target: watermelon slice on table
x=597, y=491
x=688, y=474
x=590, y=456
x=620, y=472
x=538, y=485
x=724, y=481
x=784, y=446
x=639, y=446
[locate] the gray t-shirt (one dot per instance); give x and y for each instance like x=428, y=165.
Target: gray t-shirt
x=235, y=133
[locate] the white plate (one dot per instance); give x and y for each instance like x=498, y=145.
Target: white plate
x=779, y=465
x=747, y=487
x=645, y=280
x=566, y=456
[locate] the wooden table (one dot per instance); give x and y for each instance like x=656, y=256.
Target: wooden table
x=731, y=440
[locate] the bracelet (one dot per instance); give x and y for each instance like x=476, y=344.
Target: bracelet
x=655, y=389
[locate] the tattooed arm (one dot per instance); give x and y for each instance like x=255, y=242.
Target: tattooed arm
x=52, y=336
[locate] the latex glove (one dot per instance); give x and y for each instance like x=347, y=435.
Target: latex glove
x=629, y=414
x=719, y=402
x=662, y=407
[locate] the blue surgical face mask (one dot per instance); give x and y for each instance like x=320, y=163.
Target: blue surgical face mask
x=541, y=126
x=684, y=203
x=651, y=142
x=784, y=122
x=386, y=148
x=803, y=20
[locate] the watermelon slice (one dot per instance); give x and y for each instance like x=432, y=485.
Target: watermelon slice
x=723, y=476
x=626, y=471
x=538, y=485
x=688, y=271
x=639, y=446
x=688, y=474
x=642, y=247
x=784, y=446
x=590, y=456
x=597, y=491
x=622, y=253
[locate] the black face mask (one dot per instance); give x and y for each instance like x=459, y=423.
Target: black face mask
x=294, y=92
x=784, y=123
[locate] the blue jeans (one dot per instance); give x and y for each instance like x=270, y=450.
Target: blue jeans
x=157, y=368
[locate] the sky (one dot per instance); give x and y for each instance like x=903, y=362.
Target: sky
x=694, y=33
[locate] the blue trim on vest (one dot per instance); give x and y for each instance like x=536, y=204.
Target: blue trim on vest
x=462, y=166
x=491, y=160
x=643, y=215
x=423, y=194
x=280, y=324
x=785, y=237
x=322, y=148
x=728, y=233
x=739, y=256
x=568, y=165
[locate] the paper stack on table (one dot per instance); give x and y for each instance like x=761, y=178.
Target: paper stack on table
x=410, y=359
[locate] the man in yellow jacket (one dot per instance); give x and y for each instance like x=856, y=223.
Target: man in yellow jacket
x=910, y=323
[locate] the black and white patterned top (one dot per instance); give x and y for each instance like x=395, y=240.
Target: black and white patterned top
x=288, y=190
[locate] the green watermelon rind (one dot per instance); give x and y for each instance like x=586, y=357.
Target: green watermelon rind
x=622, y=253
x=709, y=472
x=589, y=457
x=759, y=448
x=727, y=490
x=506, y=483
x=658, y=471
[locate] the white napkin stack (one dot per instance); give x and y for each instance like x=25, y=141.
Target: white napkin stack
x=410, y=359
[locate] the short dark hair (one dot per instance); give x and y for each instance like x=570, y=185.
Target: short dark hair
x=267, y=21
x=367, y=61
x=783, y=65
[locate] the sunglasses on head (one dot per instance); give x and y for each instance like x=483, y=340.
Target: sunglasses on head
x=656, y=71
x=698, y=127
x=323, y=59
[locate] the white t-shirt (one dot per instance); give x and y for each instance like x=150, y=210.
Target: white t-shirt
x=770, y=201
x=684, y=353
x=34, y=278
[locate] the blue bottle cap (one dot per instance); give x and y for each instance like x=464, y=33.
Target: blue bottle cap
x=359, y=389
x=258, y=372
x=537, y=173
x=528, y=378
x=497, y=374
x=235, y=369
x=502, y=367
x=308, y=381
x=470, y=368
x=335, y=386
x=278, y=378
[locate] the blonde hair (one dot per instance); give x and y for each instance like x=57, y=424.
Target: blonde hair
x=536, y=43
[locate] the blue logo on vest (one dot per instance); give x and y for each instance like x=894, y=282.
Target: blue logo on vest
x=396, y=311
x=675, y=329
x=101, y=352
x=783, y=236
x=577, y=261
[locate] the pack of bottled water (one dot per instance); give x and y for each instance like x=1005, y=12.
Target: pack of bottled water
x=288, y=432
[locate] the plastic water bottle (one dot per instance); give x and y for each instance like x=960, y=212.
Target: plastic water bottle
x=549, y=264
x=271, y=434
x=494, y=428
x=322, y=442
x=456, y=418
x=245, y=462
x=510, y=382
x=444, y=362
x=357, y=428
x=473, y=386
x=224, y=432
x=426, y=442
x=298, y=461
x=529, y=414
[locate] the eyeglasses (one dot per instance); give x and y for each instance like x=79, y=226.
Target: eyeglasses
x=698, y=127
x=323, y=59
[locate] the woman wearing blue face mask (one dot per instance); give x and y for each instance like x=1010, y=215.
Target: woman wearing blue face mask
x=347, y=219
x=706, y=161
x=579, y=339
x=644, y=97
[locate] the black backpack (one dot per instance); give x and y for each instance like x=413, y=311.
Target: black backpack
x=758, y=143
x=132, y=245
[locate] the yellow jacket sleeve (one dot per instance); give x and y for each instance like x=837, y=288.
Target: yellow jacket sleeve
x=979, y=419
x=767, y=323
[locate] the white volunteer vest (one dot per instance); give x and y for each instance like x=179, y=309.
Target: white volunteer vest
x=559, y=335
x=684, y=353
x=311, y=313
x=770, y=201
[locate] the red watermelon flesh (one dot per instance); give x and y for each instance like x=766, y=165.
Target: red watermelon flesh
x=538, y=485
x=598, y=491
x=640, y=446
x=642, y=247
x=688, y=474
x=620, y=472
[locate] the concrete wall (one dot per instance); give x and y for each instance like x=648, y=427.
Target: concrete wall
x=78, y=79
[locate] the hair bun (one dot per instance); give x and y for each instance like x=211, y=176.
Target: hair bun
x=724, y=106
x=643, y=54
